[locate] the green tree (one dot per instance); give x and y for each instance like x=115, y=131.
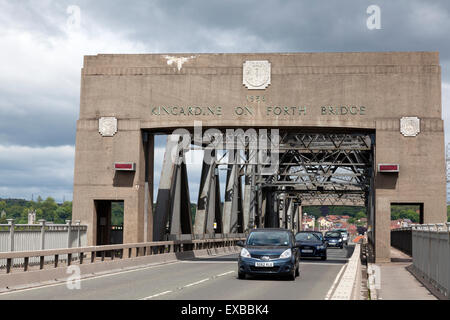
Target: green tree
x=2, y=205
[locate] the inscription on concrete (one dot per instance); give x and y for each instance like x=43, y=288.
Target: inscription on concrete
x=410, y=126
x=256, y=74
x=107, y=126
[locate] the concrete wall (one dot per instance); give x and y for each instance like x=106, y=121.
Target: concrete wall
x=389, y=85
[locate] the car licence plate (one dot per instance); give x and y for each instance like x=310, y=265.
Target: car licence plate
x=263, y=264
x=307, y=251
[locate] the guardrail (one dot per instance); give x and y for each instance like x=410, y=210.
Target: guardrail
x=431, y=254
x=45, y=235
x=21, y=259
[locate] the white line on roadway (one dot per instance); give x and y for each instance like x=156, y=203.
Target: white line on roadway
x=188, y=285
x=195, y=283
x=228, y=262
x=225, y=273
x=328, y=296
x=156, y=295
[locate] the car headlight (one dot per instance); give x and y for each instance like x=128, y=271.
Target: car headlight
x=340, y=240
x=245, y=253
x=286, y=254
x=320, y=247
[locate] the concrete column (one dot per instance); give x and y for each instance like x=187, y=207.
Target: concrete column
x=11, y=234
x=79, y=233
x=42, y=223
x=69, y=227
x=382, y=230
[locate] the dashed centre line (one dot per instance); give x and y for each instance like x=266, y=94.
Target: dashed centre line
x=156, y=295
x=188, y=285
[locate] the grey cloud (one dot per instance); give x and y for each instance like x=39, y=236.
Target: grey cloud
x=44, y=113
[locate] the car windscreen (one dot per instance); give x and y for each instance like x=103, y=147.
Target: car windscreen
x=268, y=238
x=333, y=234
x=305, y=236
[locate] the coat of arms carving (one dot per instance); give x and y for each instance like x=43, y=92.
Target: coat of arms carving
x=410, y=126
x=107, y=126
x=256, y=74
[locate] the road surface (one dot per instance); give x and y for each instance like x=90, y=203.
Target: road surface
x=208, y=278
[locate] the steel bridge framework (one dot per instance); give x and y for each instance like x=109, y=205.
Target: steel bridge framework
x=269, y=176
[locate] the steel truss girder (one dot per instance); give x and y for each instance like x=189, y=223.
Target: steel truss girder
x=173, y=206
x=208, y=204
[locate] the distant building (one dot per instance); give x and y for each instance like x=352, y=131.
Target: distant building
x=309, y=223
x=352, y=229
x=32, y=217
x=324, y=223
x=400, y=223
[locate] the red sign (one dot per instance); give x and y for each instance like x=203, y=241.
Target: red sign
x=388, y=168
x=124, y=166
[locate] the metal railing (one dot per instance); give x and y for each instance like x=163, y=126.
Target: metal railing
x=29, y=237
x=431, y=254
x=123, y=251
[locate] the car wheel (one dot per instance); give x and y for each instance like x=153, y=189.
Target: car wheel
x=323, y=258
x=297, y=272
x=241, y=275
x=292, y=275
x=342, y=246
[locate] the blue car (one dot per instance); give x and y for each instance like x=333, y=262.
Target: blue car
x=270, y=252
x=311, y=244
x=334, y=239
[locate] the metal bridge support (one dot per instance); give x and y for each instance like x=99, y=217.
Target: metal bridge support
x=249, y=205
x=173, y=204
x=290, y=215
x=271, y=217
x=232, y=209
x=208, y=205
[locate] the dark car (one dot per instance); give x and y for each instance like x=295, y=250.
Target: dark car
x=334, y=239
x=319, y=234
x=269, y=251
x=311, y=244
x=344, y=234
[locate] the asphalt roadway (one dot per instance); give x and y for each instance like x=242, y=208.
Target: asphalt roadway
x=209, y=278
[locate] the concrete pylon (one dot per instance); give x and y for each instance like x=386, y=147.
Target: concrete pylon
x=208, y=205
x=173, y=203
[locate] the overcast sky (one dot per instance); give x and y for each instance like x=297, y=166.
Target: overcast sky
x=42, y=49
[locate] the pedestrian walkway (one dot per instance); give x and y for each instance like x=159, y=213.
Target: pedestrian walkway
x=397, y=283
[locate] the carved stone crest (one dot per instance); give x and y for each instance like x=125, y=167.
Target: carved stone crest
x=256, y=74
x=410, y=126
x=107, y=126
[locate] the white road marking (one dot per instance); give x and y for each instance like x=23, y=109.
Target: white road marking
x=227, y=262
x=320, y=263
x=328, y=296
x=156, y=295
x=195, y=283
x=225, y=273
